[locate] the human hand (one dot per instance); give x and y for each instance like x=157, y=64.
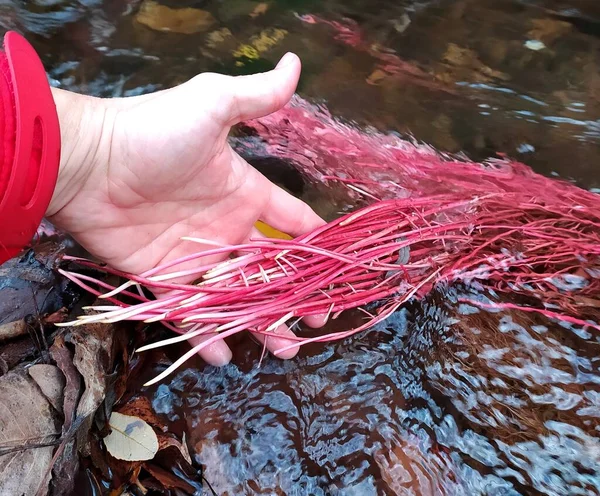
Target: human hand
x=140, y=173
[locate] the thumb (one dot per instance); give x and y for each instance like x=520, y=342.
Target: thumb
x=257, y=95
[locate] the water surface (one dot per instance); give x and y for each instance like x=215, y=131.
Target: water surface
x=442, y=398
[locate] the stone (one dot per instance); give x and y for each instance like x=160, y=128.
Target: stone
x=185, y=20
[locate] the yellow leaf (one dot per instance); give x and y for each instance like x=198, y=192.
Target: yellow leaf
x=267, y=39
x=260, y=43
x=246, y=51
x=376, y=77
x=271, y=232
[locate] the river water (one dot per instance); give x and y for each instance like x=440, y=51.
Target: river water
x=442, y=398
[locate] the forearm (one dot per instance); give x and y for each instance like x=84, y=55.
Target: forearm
x=84, y=129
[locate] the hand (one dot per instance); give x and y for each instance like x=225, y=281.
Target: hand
x=140, y=173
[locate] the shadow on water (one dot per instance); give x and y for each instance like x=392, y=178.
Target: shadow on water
x=443, y=398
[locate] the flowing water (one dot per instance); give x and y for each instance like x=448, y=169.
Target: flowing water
x=442, y=398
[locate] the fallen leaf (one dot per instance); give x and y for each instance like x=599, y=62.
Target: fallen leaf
x=51, y=381
x=260, y=9
x=402, y=23
x=13, y=353
x=30, y=286
x=141, y=407
x=131, y=438
x=185, y=21
x=93, y=344
x=246, y=51
x=260, y=43
x=57, y=317
x=64, y=360
x=376, y=77
x=271, y=232
x=168, y=479
x=26, y=419
x=93, y=360
x=267, y=39
x=67, y=462
x=12, y=330
x=166, y=441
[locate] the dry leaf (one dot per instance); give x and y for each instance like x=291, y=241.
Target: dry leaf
x=131, y=439
x=93, y=346
x=166, y=441
x=140, y=407
x=29, y=286
x=26, y=418
x=376, y=77
x=51, y=381
x=64, y=360
x=167, y=479
x=271, y=232
x=68, y=461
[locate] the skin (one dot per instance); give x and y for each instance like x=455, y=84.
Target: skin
x=139, y=173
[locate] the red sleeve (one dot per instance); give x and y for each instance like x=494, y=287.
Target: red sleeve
x=29, y=144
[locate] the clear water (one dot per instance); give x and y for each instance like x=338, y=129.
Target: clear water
x=443, y=398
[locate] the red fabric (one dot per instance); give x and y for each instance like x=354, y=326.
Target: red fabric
x=29, y=144
x=7, y=124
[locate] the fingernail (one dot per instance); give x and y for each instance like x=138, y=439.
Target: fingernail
x=286, y=60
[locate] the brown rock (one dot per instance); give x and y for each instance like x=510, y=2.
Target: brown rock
x=467, y=60
x=162, y=18
x=548, y=30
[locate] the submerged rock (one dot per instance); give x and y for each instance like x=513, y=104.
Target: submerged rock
x=185, y=20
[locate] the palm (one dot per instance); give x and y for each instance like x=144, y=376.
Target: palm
x=169, y=173
x=152, y=197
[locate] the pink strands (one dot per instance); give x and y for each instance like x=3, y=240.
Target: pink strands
x=426, y=219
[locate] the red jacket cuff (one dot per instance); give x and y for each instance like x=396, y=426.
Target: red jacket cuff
x=29, y=144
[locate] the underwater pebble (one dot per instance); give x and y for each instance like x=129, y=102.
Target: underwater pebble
x=535, y=45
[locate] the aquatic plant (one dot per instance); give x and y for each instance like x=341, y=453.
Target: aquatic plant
x=424, y=219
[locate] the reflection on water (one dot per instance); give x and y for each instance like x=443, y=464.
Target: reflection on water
x=513, y=76
x=443, y=399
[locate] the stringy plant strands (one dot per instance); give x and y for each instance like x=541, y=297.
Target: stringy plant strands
x=352, y=262
x=427, y=219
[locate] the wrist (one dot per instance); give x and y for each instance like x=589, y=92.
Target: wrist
x=85, y=129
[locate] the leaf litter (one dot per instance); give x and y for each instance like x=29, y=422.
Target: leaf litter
x=63, y=395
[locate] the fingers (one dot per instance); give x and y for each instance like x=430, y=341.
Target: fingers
x=276, y=341
x=315, y=321
x=257, y=95
x=217, y=353
x=288, y=214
